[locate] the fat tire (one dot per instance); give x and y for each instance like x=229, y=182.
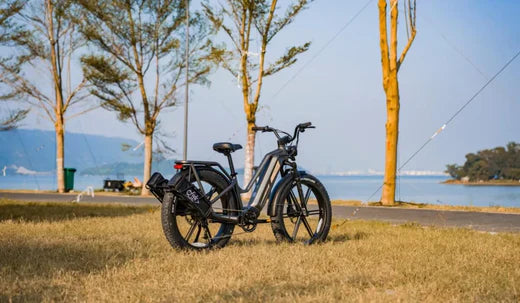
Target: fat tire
x=168, y=213
x=277, y=224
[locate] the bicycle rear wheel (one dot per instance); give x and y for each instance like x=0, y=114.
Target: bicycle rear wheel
x=186, y=229
x=303, y=211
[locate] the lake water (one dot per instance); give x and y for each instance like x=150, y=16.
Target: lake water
x=424, y=189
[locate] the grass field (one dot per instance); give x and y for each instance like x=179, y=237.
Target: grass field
x=79, y=252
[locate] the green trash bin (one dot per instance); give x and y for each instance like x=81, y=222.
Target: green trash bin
x=69, y=178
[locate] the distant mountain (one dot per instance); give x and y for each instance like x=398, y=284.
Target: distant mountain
x=165, y=167
x=34, y=150
x=129, y=169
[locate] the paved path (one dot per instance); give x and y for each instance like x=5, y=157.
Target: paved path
x=443, y=218
x=493, y=222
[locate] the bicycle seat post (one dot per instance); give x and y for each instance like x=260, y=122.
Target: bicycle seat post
x=231, y=166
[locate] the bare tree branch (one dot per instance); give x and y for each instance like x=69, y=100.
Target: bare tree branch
x=12, y=121
x=83, y=112
x=72, y=94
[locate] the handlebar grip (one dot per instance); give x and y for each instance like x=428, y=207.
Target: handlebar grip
x=260, y=128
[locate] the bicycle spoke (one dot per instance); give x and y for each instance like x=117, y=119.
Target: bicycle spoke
x=300, y=194
x=296, y=226
x=314, y=212
x=198, y=234
x=307, y=196
x=208, y=233
x=295, y=200
x=307, y=226
x=190, y=231
x=210, y=193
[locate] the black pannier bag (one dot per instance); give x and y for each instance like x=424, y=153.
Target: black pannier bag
x=157, y=184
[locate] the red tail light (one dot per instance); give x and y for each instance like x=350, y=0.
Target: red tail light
x=177, y=166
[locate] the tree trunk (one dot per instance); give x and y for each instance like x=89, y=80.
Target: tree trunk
x=58, y=110
x=392, y=132
x=60, y=154
x=250, y=157
x=148, y=140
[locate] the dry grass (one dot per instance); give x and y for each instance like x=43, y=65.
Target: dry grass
x=119, y=254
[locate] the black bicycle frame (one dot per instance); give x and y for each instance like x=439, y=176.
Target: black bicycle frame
x=263, y=181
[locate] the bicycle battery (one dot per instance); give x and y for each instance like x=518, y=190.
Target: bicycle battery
x=189, y=195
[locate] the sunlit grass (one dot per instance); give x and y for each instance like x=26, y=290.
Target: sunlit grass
x=119, y=253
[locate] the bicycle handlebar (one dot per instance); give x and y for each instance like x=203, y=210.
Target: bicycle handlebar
x=299, y=128
x=270, y=129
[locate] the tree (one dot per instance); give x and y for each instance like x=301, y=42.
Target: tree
x=242, y=21
x=390, y=66
x=487, y=164
x=8, y=10
x=40, y=33
x=136, y=68
x=454, y=171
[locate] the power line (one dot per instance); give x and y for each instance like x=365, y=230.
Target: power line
x=455, y=48
x=462, y=107
x=349, y=22
x=454, y=115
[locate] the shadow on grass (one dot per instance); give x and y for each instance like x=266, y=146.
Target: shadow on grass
x=44, y=259
x=52, y=212
x=263, y=291
x=29, y=266
x=33, y=295
x=348, y=237
x=236, y=241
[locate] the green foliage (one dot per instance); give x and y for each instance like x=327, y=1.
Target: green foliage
x=12, y=120
x=243, y=21
x=36, y=33
x=288, y=59
x=8, y=33
x=496, y=163
x=136, y=68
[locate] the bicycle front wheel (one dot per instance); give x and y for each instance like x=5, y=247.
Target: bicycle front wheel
x=303, y=211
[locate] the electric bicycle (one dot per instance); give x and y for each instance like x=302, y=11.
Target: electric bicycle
x=202, y=205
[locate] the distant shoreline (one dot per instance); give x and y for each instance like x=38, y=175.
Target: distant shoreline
x=483, y=183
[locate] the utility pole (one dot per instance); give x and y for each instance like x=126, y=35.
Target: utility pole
x=186, y=97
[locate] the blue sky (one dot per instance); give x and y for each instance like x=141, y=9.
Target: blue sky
x=341, y=90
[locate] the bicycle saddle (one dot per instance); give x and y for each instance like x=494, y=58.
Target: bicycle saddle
x=226, y=147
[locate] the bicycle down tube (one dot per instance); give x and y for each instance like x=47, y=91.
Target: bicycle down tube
x=263, y=179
